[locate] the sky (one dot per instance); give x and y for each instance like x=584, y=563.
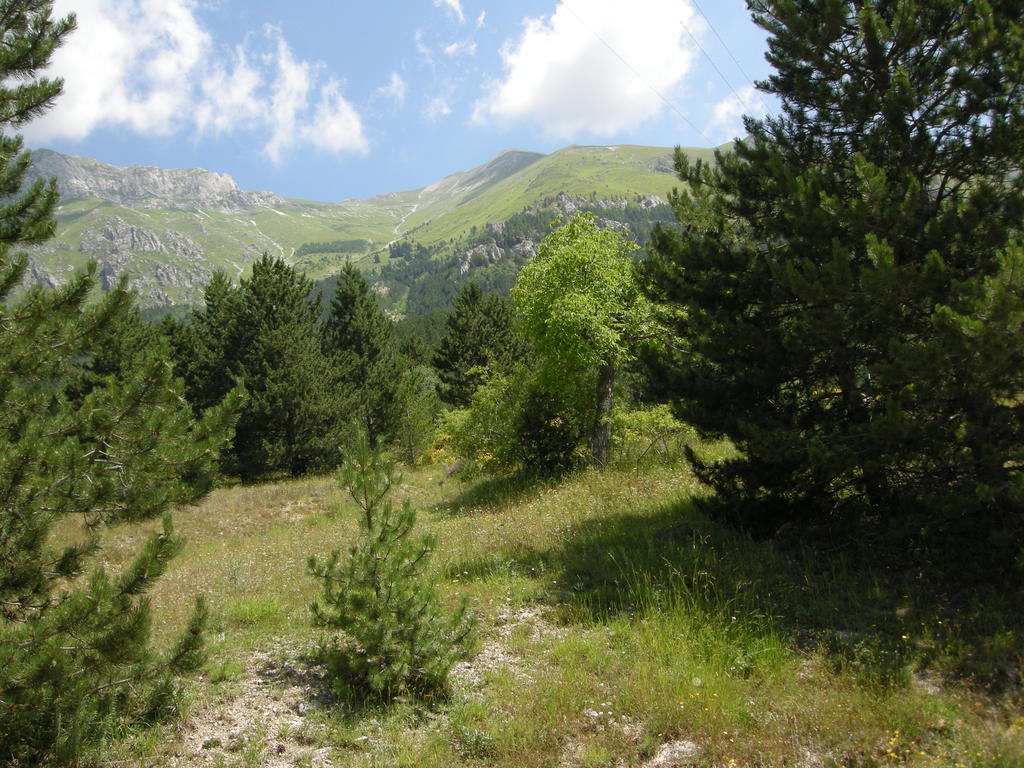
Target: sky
x=334, y=99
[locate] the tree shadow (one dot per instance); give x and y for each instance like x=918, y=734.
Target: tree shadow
x=492, y=494
x=863, y=610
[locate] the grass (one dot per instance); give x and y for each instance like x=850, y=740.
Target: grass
x=615, y=619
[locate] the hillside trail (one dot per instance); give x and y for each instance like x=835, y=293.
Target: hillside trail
x=276, y=714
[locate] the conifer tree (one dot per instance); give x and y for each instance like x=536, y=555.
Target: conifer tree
x=479, y=333
x=850, y=278
x=290, y=418
x=74, y=638
x=360, y=339
x=393, y=635
x=209, y=345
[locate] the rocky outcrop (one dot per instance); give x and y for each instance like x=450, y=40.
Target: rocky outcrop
x=115, y=244
x=480, y=255
x=650, y=201
x=40, y=275
x=143, y=186
x=117, y=236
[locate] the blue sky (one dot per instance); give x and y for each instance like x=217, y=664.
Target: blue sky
x=331, y=99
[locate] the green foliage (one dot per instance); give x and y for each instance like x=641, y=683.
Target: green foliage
x=332, y=246
x=113, y=351
x=360, y=339
x=648, y=436
x=582, y=307
x=74, y=638
x=394, y=637
x=850, y=282
x=512, y=424
x=265, y=333
x=479, y=334
x=418, y=405
x=483, y=435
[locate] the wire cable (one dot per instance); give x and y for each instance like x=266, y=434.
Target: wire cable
x=711, y=61
x=642, y=79
x=735, y=61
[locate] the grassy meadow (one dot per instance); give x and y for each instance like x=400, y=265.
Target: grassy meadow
x=616, y=627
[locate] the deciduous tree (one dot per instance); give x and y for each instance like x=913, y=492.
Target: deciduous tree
x=582, y=307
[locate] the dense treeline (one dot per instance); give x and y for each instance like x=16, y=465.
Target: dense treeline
x=333, y=246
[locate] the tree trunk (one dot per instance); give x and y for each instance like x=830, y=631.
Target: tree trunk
x=602, y=433
x=876, y=484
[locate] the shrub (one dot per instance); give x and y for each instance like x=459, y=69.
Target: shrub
x=649, y=436
x=394, y=637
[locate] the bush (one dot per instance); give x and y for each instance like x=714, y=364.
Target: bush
x=649, y=436
x=394, y=636
x=512, y=424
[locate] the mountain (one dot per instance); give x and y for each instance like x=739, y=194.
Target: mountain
x=168, y=230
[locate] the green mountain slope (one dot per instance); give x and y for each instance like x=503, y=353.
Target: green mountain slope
x=168, y=230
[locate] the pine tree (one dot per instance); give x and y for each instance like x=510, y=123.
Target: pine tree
x=360, y=339
x=479, y=333
x=73, y=637
x=393, y=635
x=113, y=352
x=290, y=420
x=265, y=334
x=209, y=345
x=850, y=278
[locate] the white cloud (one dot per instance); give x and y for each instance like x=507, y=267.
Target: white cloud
x=150, y=66
x=455, y=6
x=461, y=48
x=602, y=72
x=395, y=90
x=422, y=48
x=335, y=126
x=128, y=63
x=290, y=96
x=727, y=115
x=230, y=98
x=437, y=108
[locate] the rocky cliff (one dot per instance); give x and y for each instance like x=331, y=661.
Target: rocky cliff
x=145, y=186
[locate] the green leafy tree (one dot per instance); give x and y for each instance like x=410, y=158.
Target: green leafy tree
x=394, y=636
x=479, y=333
x=361, y=340
x=74, y=638
x=582, y=307
x=849, y=278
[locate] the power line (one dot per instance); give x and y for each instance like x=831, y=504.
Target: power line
x=711, y=61
x=739, y=66
x=642, y=79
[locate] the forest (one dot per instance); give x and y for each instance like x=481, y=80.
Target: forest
x=739, y=486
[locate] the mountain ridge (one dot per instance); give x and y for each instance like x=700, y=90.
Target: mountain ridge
x=169, y=229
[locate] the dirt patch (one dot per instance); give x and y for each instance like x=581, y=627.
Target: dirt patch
x=674, y=754
x=263, y=720
x=495, y=654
